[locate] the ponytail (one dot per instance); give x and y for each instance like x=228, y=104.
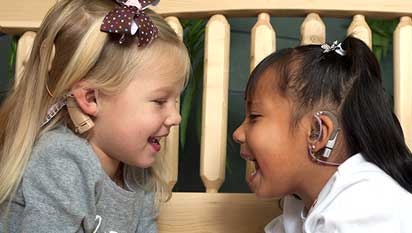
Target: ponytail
x=369, y=124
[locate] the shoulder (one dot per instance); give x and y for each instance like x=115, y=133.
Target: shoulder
x=362, y=198
x=61, y=147
x=62, y=171
x=59, y=156
x=367, y=182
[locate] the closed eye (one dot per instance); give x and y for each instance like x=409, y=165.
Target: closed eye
x=160, y=102
x=253, y=117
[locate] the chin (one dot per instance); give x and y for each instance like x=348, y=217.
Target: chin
x=145, y=164
x=261, y=195
x=265, y=194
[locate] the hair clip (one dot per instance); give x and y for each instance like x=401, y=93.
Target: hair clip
x=336, y=46
x=130, y=19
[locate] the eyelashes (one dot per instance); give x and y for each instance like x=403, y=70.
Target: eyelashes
x=253, y=117
x=164, y=100
x=160, y=102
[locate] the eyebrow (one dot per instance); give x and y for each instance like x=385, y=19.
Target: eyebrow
x=253, y=102
x=249, y=104
x=163, y=89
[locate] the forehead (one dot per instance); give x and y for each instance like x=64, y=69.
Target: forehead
x=156, y=83
x=266, y=97
x=263, y=87
x=163, y=62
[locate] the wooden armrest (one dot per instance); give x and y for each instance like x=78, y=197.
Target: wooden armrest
x=216, y=212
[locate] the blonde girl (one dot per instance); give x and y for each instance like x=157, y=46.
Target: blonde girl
x=79, y=134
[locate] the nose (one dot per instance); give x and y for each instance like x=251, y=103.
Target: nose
x=239, y=134
x=173, y=118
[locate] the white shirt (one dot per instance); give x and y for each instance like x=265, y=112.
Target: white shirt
x=358, y=198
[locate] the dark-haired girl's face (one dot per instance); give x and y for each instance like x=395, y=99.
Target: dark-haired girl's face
x=278, y=150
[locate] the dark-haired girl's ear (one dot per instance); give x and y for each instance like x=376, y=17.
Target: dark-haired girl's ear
x=322, y=137
x=321, y=131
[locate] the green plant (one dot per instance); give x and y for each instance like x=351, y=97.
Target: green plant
x=191, y=101
x=382, y=36
x=12, y=58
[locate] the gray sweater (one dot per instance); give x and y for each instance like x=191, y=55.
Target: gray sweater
x=65, y=189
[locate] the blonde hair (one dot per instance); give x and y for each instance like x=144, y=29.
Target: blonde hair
x=82, y=51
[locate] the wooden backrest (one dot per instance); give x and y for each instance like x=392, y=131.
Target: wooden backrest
x=224, y=212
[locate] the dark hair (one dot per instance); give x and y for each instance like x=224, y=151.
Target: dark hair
x=349, y=85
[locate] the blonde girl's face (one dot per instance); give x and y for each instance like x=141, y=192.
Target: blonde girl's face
x=278, y=151
x=129, y=125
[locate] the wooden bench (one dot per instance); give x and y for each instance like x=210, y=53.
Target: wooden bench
x=234, y=212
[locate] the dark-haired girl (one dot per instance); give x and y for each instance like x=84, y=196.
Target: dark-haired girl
x=321, y=133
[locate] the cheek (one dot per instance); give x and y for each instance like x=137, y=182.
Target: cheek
x=279, y=177
x=150, y=121
x=264, y=139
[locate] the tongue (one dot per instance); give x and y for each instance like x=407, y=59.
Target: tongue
x=152, y=140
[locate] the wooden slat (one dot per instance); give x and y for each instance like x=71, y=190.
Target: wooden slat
x=263, y=43
x=216, y=213
x=171, y=149
x=360, y=29
x=263, y=40
x=326, y=8
x=312, y=30
x=402, y=67
x=175, y=24
x=215, y=103
x=19, y=16
x=23, y=15
x=24, y=47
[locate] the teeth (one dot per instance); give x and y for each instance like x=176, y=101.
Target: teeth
x=156, y=138
x=255, y=166
x=153, y=140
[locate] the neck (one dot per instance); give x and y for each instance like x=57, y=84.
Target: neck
x=318, y=174
x=111, y=166
x=313, y=184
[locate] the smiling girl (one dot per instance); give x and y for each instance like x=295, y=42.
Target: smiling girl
x=79, y=135
x=321, y=133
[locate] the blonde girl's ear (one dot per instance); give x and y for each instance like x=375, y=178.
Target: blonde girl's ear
x=81, y=104
x=86, y=97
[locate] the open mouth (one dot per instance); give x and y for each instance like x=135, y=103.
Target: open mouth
x=254, y=161
x=256, y=166
x=154, y=142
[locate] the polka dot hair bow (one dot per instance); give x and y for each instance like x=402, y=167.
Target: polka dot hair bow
x=129, y=19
